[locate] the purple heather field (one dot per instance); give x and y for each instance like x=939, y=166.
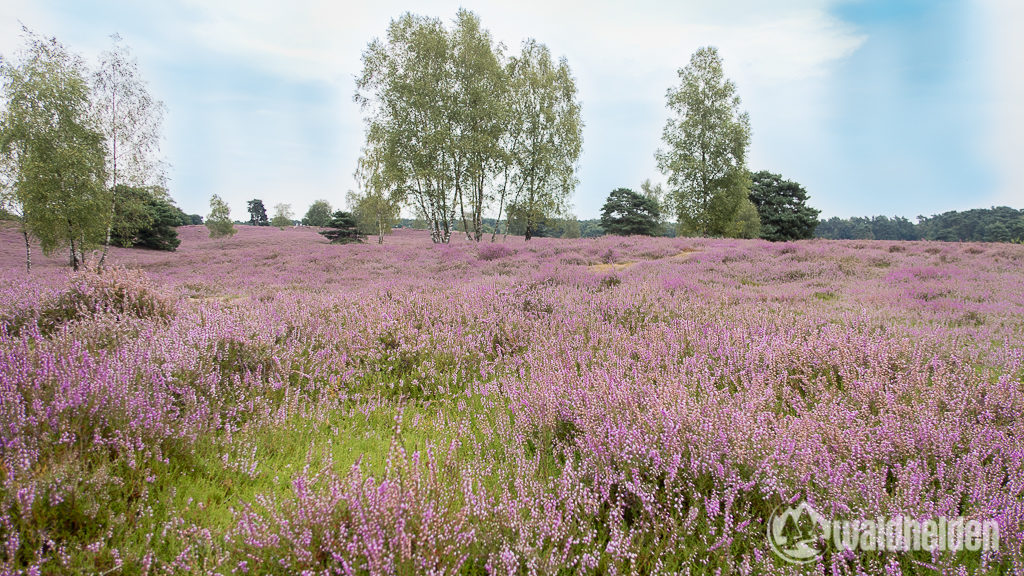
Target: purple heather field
x=272, y=403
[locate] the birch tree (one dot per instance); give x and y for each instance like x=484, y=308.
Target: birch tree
x=283, y=216
x=130, y=119
x=218, y=221
x=479, y=118
x=406, y=88
x=9, y=198
x=49, y=136
x=547, y=118
x=376, y=205
x=706, y=142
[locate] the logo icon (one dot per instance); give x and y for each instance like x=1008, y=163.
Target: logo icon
x=798, y=535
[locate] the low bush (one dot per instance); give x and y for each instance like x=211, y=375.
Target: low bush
x=490, y=252
x=118, y=291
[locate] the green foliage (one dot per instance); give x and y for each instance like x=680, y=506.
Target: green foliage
x=219, y=220
x=706, y=140
x=855, y=228
x=283, y=216
x=257, y=213
x=591, y=229
x=374, y=214
x=145, y=218
x=626, y=213
x=376, y=206
x=874, y=228
x=453, y=128
x=319, y=214
x=343, y=229
x=546, y=115
x=182, y=219
x=782, y=207
x=657, y=194
x=747, y=223
x=131, y=214
x=543, y=227
x=160, y=234
x=53, y=149
x=998, y=224
x=130, y=120
x=570, y=228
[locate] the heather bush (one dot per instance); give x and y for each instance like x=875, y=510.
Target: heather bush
x=115, y=291
x=493, y=251
x=586, y=406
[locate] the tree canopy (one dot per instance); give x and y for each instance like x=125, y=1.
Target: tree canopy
x=548, y=134
x=319, y=214
x=145, y=217
x=283, y=216
x=782, y=207
x=706, y=141
x=627, y=213
x=457, y=127
x=343, y=229
x=257, y=213
x=54, y=149
x=219, y=220
x=997, y=224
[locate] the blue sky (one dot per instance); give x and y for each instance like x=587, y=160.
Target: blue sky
x=901, y=107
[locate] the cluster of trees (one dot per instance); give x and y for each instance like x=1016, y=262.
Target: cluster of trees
x=454, y=128
x=514, y=224
x=283, y=214
x=777, y=210
x=711, y=191
x=861, y=228
x=998, y=224
x=368, y=216
x=78, y=152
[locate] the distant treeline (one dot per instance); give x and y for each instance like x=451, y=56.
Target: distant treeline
x=1000, y=224
x=547, y=228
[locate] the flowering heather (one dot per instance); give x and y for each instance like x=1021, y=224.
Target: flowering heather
x=271, y=403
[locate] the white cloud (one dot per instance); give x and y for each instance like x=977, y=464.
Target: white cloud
x=320, y=38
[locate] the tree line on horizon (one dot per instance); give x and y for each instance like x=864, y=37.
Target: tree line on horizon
x=996, y=224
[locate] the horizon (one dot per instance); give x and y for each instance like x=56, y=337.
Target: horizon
x=877, y=108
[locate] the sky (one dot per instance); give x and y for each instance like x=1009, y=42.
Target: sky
x=897, y=107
